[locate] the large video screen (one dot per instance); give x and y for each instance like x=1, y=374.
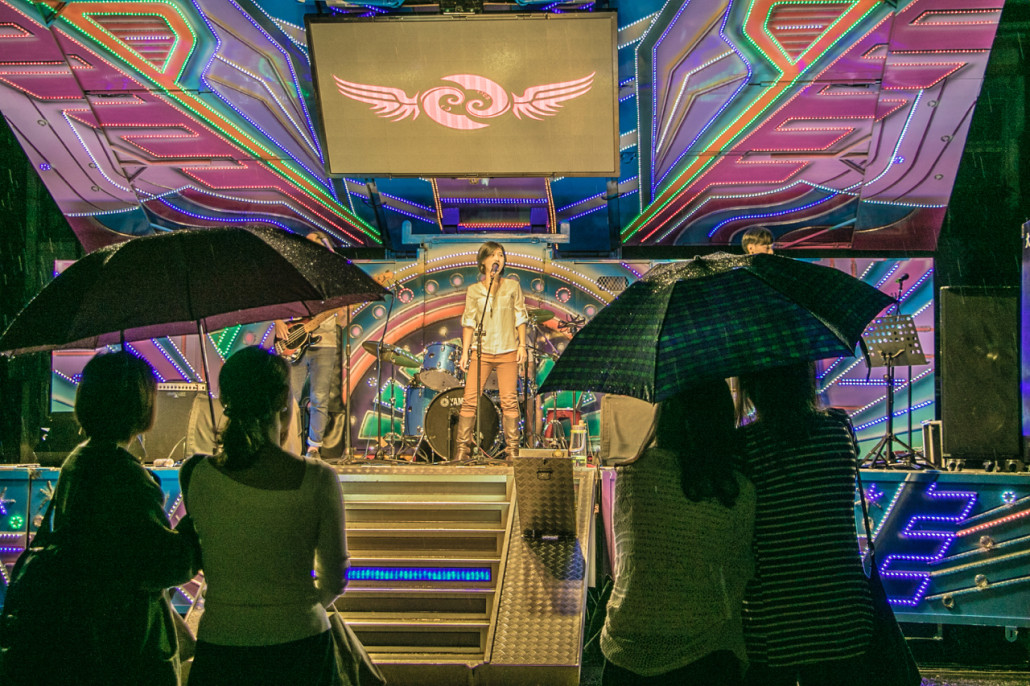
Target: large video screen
x=516, y=95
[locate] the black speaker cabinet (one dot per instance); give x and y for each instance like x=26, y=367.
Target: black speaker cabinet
x=979, y=372
x=167, y=438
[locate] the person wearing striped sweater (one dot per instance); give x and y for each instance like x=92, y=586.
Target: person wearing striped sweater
x=682, y=522
x=807, y=612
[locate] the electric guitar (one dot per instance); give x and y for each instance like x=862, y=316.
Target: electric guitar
x=299, y=339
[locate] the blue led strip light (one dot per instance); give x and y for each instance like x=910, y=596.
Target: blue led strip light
x=418, y=574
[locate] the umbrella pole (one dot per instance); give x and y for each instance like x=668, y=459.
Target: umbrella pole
x=207, y=379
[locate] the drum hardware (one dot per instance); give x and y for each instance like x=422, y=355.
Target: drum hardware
x=539, y=315
x=533, y=354
x=384, y=352
x=558, y=438
x=391, y=354
x=418, y=398
x=572, y=325
x=382, y=279
x=540, y=352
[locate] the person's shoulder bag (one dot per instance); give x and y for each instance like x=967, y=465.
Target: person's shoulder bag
x=45, y=623
x=352, y=660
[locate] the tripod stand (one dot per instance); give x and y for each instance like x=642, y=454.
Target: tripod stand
x=892, y=341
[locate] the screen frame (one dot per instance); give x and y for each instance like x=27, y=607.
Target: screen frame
x=611, y=171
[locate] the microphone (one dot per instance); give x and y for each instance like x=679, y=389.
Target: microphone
x=495, y=268
x=902, y=279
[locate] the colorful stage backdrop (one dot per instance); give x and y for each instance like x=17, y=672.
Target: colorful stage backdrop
x=428, y=303
x=835, y=123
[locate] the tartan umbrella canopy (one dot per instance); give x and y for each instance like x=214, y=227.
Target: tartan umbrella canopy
x=714, y=317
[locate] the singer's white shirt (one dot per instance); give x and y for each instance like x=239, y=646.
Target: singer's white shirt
x=505, y=313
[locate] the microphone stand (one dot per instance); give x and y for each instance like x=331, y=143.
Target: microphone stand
x=529, y=428
x=379, y=384
x=347, y=452
x=480, y=452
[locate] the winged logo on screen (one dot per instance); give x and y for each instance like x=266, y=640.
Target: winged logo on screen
x=299, y=339
x=481, y=98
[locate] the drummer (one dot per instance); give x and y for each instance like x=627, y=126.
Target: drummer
x=503, y=346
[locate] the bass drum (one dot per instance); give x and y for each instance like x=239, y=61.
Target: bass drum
x=441, y=424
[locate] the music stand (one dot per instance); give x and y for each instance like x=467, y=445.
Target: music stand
x=891, y=341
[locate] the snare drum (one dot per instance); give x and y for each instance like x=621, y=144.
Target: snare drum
x=442, y=422
x=440, y=366
x=416, y=403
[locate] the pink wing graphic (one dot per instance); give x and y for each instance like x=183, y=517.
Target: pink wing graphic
x=391, y=103
x=546, y=100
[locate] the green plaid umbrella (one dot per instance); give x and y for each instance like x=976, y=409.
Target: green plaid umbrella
x=714, y=317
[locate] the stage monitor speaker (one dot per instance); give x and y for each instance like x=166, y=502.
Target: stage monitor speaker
x=979, y=372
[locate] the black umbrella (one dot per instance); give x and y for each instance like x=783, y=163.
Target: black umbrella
x=183, y=282
x=172, y=283
x=714, y=317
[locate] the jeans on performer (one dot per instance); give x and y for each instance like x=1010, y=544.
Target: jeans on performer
x=507, y=382
x=317, y=368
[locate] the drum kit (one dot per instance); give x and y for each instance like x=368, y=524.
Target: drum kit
x=434, y=397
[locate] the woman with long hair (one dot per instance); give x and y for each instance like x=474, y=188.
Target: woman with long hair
x=109, y=518
x=807, y=612
x=498, y=303
x=265, y=518
x=682, y=523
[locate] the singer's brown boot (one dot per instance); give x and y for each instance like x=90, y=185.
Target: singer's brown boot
x=463, y=438
x=511, y=436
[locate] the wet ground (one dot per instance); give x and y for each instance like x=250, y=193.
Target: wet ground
x=980, y=677
x=947, y=656
x=932, y=676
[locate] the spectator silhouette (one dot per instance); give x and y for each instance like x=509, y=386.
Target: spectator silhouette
x=264, y=518
x=683, y=519
x=109, y=516
x=807, y=612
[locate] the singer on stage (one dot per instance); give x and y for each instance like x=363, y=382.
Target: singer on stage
x=497, y=304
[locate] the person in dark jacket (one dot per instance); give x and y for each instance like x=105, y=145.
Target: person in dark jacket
x=112, y=509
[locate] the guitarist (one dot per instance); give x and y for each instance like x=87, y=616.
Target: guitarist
x=313, y=361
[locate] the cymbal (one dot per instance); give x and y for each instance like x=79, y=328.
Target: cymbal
x=391, y=354
x=539, y=315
